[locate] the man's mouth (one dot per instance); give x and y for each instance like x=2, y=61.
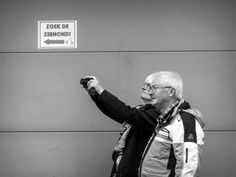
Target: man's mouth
x=146, y=96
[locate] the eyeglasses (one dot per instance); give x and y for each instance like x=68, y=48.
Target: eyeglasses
x=153, y=88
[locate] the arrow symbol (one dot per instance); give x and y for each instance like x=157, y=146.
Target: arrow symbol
x=48, y=41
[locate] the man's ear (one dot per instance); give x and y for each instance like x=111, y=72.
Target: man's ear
x=172, y=92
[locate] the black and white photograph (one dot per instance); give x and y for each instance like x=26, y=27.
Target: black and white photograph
x=117, y=88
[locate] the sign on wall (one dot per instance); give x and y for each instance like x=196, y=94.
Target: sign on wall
x=57, y=34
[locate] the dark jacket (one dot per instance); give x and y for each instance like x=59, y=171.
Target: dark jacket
x=143, y=121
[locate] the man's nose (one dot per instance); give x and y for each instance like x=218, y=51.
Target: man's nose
x=145, y=88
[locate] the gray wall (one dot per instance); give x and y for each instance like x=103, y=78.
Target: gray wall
x=48, y=124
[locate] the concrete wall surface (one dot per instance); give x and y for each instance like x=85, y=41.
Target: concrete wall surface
x=49, y=127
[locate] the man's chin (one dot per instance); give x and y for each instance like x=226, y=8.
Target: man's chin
x=147, y=99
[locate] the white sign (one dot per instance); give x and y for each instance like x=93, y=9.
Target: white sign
x=57, y=34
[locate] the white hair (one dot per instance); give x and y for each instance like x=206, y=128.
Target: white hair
x=169, y=79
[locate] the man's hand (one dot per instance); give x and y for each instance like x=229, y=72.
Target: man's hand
x=94, y=83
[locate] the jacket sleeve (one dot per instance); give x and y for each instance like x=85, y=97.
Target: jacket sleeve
x=188, y=149
x=107, y=112
x=120, y=112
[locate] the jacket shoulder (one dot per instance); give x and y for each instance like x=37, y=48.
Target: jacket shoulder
x=189, y=125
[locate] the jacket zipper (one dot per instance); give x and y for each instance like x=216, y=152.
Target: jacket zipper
x=146, y=149
x=186, y=160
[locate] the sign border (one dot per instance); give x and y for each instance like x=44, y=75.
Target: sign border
x=57, y=21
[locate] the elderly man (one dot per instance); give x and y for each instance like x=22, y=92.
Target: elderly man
x=163, y=137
